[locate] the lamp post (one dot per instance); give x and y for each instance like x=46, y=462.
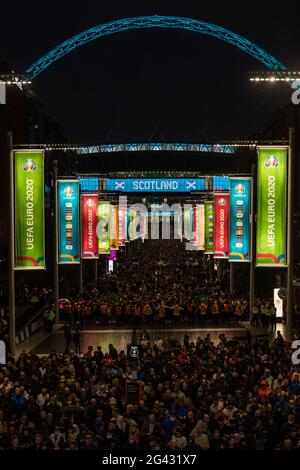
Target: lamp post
x=252, y=244
x=290, y=238
x=56, y=280
x=96, y=271
x=231, y=277
x=291, y=78
x=81, y=277
x=11, y=275
x=80, y=237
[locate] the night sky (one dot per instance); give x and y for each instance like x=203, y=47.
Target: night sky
x=152, y=84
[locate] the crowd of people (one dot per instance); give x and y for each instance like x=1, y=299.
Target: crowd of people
x=210, y=309
x=191, y=396
x=230, y=394
x=27, y=299
x=30, y=295
x=162, y=283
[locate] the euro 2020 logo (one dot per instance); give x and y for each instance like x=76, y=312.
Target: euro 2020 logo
x=29, y=165
x=222, y=202
x=239, y=189
x=90, y=203
x=68, y=191
x=271, y=162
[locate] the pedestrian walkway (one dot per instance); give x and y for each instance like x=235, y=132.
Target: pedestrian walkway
x=44, y=343
x=120, y=338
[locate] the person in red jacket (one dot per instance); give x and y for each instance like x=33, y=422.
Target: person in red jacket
x=264, y=389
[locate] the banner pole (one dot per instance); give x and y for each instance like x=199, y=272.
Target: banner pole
x=80, y=244
x=81, y=277
x=252, y=247
x=290, y=239
x=11, y=279
x=56, y=281
x=219, y=271
x=96, y=271
x=211, y=267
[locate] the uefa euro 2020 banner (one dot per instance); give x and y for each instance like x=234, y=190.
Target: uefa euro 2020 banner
x=188, y=221
x=200, y=227
x=89, y=205
x=271, y=206
x=209, y=227
x=239, y=240
x=122, y=225
x=221, y=241
x=114, y=227
x=29, y=209
x=103, y=227
x=132, y=224
x=68, y=222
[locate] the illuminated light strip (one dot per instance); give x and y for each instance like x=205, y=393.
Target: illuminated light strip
x=156, y=147
x=15, y=79
x=19, y=82
x=225, y=147
x=273, y=79
x=275, y=76
x=146, y=22
x=138, y=147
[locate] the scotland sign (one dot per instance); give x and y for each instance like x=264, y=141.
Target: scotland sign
x=163, y=185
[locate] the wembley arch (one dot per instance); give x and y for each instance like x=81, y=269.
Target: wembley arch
x=146, y=22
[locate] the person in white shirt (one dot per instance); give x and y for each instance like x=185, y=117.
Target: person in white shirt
x=228, y=412
x=6, y=385
x=42, y=398
x=199, y=437
x=179, y=438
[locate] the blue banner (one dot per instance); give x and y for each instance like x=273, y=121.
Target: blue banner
x=163, y=185
x=221, y=183
x=240, y=196
x=68, y=221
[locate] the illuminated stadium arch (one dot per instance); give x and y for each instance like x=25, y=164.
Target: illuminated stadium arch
x=145, y=22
